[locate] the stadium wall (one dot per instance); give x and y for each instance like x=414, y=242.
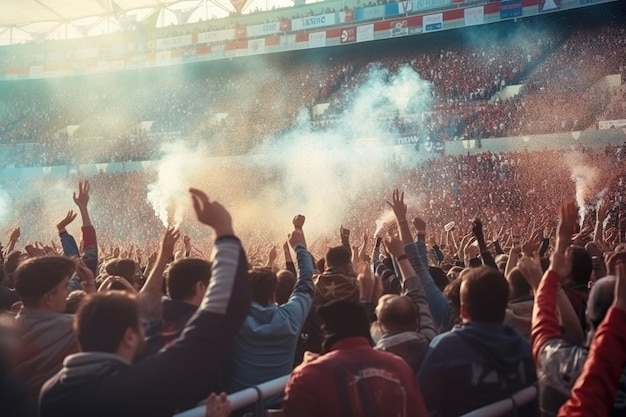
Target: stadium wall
x=404, y=149
x=348, y=26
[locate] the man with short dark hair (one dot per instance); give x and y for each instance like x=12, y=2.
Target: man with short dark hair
x=481, y=361
x=103, y=381
x=46, y=335
x=187, y=280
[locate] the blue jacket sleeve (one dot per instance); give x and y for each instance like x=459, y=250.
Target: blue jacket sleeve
x=70, y=248
x=299, y=303
x=437, y=302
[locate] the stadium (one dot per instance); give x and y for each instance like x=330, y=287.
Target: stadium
x=491, y=110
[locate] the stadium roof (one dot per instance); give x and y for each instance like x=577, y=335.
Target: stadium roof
x=23, y=21
x=19, y=12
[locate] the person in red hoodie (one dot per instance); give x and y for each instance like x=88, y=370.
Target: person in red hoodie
x=351, y=378
x=595, y=389
x=559, y=361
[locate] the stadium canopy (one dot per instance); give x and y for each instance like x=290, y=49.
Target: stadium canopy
x=28, y=20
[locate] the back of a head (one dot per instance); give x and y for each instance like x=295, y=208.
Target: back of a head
x=284, y=286
x=518, y=284
x=582, y=266
x=35, y=277
x=439, y=276
x=600, y=300
x=397, y=313
x=343, y=319
x=484, y=295
x=123, y=268
x=183, y=274
x=338, y=257
x=103, y=318
x=262, y=285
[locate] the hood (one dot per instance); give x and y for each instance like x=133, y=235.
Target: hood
x=85, y=366
x=502, y=345
x=388, y=340
x=261, y=314
x=519, y=315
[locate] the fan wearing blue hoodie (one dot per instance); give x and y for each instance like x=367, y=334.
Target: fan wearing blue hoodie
x=265, y=346
x=482, y=360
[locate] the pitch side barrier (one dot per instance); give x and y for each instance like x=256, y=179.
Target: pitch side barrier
x=250, y=396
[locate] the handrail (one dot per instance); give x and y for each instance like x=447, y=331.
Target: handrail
x=244, y=397
x=249, y=396
x=507, y=405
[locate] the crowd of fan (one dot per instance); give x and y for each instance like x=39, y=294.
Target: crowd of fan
x=556, y=68
x=421, y=320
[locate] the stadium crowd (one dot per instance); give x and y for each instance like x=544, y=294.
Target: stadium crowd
x=89, y=120
x=483, y=277
x=454, y=304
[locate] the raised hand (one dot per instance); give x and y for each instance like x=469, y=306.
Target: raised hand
x=344, y=233
x=568, y=215
x=420, y=225
x=394, y=246
x=477, y=230
x=298, y=221
x=212, y=214
x=64, y=222
x=169, y=242
x=398, y=205
x=82, y=198
x=15, y=234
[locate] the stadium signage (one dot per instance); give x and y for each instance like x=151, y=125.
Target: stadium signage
x=611, y=124
x=474, y=16
x=433, y=22
x=510, y=9
x=314, y=21
x=173, y=42
x=369, y=13
x=264, y=29
x=217, y=36
x=348, y=35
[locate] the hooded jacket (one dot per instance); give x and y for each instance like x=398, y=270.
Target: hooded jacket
x=473, y=365
x=102, y=385
x=519, y=314
x=265, y=345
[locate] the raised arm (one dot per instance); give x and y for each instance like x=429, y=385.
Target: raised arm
x=412, y=288
x=545, y=324
x=595, y=389
x=90, y=242
x=13, y=238
x=154, y=282
x=485, y=255
x=301, y=298
x=198, y=353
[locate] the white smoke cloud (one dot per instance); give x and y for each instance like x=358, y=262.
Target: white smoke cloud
x=587, y=179
x=315, y=173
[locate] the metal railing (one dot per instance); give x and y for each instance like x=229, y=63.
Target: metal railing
x=276, y=386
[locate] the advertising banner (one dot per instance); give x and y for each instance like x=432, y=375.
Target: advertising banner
x=313, y=22
x=173, y=42
x=369, y=13
x=365, y=33
x=474, y=16
x=399, y=28
x=611, y=124
x=348, y=35
x=256, y=46
x=433, y=22
x=264, y=29
x=217, y=36
x=317, y=39
x=510, y=9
